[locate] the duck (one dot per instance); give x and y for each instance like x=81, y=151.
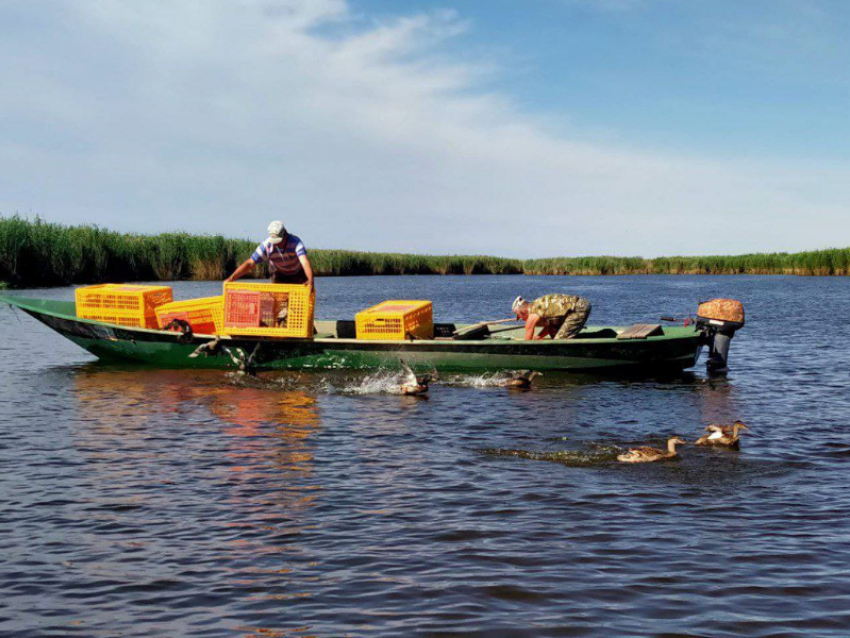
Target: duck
x=210, y=348
x=244, y=363
x=723, y=435
x=651, y=454
x=282, y=316
x=414, y=384
x=521, y=379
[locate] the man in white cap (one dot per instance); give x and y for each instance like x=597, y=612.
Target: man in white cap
x=286, y=256
x=558, y=316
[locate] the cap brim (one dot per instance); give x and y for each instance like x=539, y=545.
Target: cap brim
x=275, y=240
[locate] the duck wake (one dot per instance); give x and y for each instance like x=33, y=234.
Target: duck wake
x=494, y=380
x=593, y=455
x=383, y=382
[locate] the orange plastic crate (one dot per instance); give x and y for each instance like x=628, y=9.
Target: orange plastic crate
x=253, y=309
x=205, y=315
x=396, y=320
x=122, y=304
x=246, y=309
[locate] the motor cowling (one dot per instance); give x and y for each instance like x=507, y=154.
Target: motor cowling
x=720, y=319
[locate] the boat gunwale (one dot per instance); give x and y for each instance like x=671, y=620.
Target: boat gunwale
x=41, y=306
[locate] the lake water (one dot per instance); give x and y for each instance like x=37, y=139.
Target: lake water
x=171, y=503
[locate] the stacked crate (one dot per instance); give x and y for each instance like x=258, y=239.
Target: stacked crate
x=205, y=316
x=122, y=304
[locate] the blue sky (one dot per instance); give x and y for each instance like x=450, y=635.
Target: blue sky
x=553, y=127
x=756, y=77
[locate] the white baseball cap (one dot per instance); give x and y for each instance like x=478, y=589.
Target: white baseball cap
x=516, y=304
x=277, y=231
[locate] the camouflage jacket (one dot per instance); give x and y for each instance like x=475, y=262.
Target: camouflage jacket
x=555, y=306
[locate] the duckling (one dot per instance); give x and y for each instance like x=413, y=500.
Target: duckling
x=651, y=454
x=723, y=435
x=414, y=384
x=521, y=379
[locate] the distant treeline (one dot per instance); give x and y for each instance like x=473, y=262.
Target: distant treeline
x=38, y=253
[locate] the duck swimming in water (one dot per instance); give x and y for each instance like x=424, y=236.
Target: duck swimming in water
x=723, y=435
x=521, y=379
x=414, y=384
x=651, y=454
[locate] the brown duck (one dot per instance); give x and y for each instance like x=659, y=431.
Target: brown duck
x=723, y=435
x=651, y=454
x=521, y=379
x=415, y=384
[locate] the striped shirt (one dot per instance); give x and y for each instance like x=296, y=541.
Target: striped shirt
x=282, y=257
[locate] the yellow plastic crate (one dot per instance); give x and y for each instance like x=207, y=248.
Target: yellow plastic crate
x=122, y=304
x=397, y=320
x=108, y=316
x=256, y=309
x=204, y=315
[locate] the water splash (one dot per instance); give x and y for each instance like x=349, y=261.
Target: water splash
x=486, y=380
x=277, y=382
x=381, y=382
x=242, y=379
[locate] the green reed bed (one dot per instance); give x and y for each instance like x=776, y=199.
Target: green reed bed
x=39, y=253
x=587, y=266
x=834, y=261
x=343, y=262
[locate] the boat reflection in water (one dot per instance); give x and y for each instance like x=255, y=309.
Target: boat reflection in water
x=266, y=428
x=244, y=453
x=717, y=401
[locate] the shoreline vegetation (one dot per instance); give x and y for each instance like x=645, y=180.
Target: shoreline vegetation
x=35, y=253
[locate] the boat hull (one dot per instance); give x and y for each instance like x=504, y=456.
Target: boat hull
x=677, y=349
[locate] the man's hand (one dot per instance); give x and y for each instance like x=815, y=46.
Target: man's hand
x=530, y=325
x=245, y=267
x=308, y=271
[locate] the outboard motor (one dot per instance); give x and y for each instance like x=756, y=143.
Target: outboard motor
x=719, y=320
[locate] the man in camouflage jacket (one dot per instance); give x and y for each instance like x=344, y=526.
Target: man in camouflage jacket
x=558, y=316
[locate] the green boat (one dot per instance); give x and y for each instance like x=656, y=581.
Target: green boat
x=595, y=349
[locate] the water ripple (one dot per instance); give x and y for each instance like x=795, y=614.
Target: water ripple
x=139, y=502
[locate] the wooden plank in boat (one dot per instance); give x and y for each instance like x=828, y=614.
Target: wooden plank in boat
x=641, y=331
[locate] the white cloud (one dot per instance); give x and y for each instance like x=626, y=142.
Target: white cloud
x=216, y=116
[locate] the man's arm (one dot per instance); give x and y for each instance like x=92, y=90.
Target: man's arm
x=530, y=325
x=246, y=267
x=308, y=270
x=545, y=331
